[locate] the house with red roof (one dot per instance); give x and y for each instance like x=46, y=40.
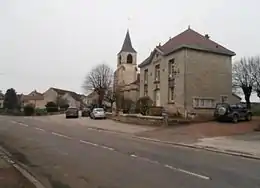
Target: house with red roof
x=189, y=73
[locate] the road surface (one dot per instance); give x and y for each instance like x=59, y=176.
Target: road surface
x=65, y=154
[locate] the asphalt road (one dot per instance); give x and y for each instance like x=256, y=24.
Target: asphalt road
x=67, y=155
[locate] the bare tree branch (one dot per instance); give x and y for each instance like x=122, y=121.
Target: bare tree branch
x=256, y=76
x=99, y=79
x=243, y=77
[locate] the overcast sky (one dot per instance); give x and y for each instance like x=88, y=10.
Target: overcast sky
x=54, y=43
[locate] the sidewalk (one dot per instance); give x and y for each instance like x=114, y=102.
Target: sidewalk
x=234, y=139
x=10, y=177
x=248, y=144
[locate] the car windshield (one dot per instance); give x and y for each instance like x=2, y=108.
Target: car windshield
x=99, y=109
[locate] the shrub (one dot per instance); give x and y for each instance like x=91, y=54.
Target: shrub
x=51, y=107
x=155, y=111
x=28, y=110
x=145, y=103
x=127, y=104
x=40, y=111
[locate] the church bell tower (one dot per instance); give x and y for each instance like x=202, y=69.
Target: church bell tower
x=126, y=72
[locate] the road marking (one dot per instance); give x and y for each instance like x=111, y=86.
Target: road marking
x=105, y=147
x=61, y=135
x=135, y=156
x=171, y=167
x=187, y=172
x=25, y=125
x=39, y=129
x=13, y=121
x=90, y=143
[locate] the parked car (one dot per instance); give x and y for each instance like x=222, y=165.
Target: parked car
x=98, y=113
x=234, y=113
x=72, y=112
x=86, y=112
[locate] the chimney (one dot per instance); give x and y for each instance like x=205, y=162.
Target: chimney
x=207, y=36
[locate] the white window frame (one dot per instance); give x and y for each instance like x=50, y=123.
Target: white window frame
x=157, y=72
x=203, y=102
x=171, y=67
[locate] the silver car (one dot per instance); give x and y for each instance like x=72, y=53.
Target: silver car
x=98, y=113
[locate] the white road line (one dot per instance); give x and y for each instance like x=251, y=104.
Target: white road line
x=39, y=129
x=172, y=168
x=25, y=125
x=13, y=121
x=61, y=135
x=187, y=172
x=90, y=143
x=135, y=156
x=105, y=147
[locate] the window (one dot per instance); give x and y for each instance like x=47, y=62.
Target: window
x=203, y=103
x=145, y=90
x=171, y=94
x=171, y=67
x=129, y=59
x=157, y=73
x=223, y=99
x=145, y=76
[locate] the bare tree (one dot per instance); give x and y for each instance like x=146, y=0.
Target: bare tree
x=243, y=77
x=99, y=79
x=256, y=76
x=110, y=96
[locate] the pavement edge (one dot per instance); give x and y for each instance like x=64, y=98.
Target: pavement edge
x=193, y=146
x=207, y=148
x=21, y=168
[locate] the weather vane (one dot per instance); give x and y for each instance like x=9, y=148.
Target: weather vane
x=129, y=19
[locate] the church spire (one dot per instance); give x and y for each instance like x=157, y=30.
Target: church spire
x=127, y=45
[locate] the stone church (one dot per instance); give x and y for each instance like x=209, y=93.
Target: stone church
x=126, y=76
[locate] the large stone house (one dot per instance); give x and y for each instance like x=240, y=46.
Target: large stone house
x=189, y=73
x=126, y=76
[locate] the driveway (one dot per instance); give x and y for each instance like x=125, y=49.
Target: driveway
x=67, y=154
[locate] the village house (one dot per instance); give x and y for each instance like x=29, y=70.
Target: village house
x=189, y=73
x=73, y=99
x=34, y=98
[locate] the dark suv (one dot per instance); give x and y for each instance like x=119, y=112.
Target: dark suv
x=234, y=112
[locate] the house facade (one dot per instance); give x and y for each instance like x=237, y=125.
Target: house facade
x=34, y=98
x=126, y=79
x=73, y=99
x=189, y=73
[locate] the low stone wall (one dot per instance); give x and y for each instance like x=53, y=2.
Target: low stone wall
x=139, y=119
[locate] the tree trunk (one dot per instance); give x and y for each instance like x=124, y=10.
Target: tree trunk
x=101, y=97
x=247, y=90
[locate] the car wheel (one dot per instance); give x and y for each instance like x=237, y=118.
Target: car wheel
x=235, y=118
x=248, y=117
